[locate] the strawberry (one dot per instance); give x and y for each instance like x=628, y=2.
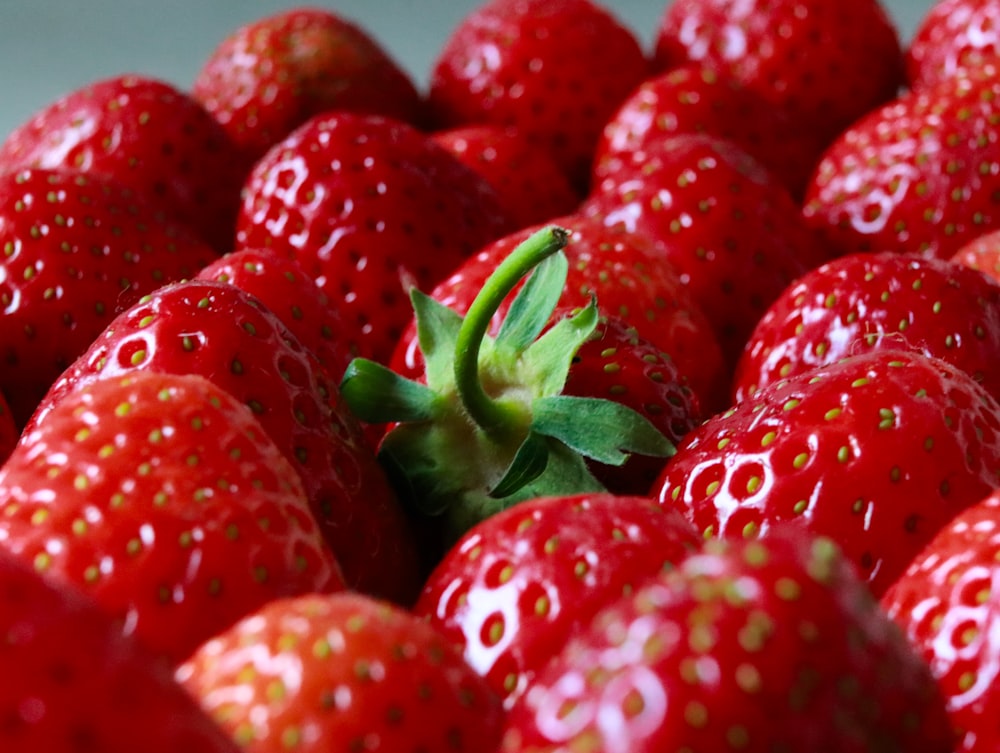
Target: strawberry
x=76, y=250
x=80, y=684
x=341, y=672
x=948, y=605
x=162, y=498
x=367, y=206
x=982, y=253
x=281, y=285
x=530, y=185
x=272, y=74
x=693, y=98
x=9, y=432
x=515, y=587
x=918, y=175
x=746, y=645
x=224, y=334
x=953, y=37
x=632, y=283
x=861, y=302
x=489, y=424
x=877, y=452
x=541, y=66
x=148, y=135
x=825, y=63
x=732, y=232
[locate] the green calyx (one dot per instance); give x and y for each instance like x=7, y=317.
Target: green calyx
x=490, y=427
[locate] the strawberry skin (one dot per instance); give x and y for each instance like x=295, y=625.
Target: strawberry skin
x=148, y=135
x=271, y=75
x=954, y=37
x=757, y=646
x=534, y=65
x=341, y=672
x=368, y=207
x=918, y=175
x=76, y=250
x=948, y=605
x=825, y=63
x=80, y=685
x=224, y=334
x=9, y=431
x=877, y=452
x=163, y=499
x=518, y=585
x=862, y=302
x=982, y=253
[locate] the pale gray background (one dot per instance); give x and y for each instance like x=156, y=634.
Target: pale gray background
x=48, y=47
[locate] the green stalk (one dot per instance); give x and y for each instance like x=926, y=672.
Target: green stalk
x=495, y=418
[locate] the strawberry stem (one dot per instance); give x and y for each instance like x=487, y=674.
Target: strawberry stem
x=498, y=419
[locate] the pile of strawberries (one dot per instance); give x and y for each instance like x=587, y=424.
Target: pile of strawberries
x=597, y=399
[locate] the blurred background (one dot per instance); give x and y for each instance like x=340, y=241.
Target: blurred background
x=48, y=47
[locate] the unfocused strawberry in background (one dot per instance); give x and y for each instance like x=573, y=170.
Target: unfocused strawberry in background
x=953, y=37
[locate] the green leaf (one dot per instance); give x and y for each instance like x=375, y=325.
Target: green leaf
x=437, y=332
x=533, y=305
x=528, y=464
x=377, y=394
x=602, y=430
x=549, y=358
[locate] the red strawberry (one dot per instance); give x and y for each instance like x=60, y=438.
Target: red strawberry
x=732, y=232
x=530, y=185
x=877, y=451
x=80, y=685
x=632, y=283
x=161, y=497
x=341, y=672
x=954, y=37
x=862, y=302
x=918, y=175
x=697, y=99
x=224, y=334
x=281, y=285
x=554, y=69
x=824, y=63
x=948, y=604
x=272, y=74
x=146, y=134
x=9, y=431
x=753, y=646
x=982, y=253
x=514, y=589
x=76, y=250
x=368, y=206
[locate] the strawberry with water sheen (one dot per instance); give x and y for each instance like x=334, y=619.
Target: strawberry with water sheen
x=982, y=253
x=161, y=497
x=953, y=37
x=341, y=672
x=877, y=452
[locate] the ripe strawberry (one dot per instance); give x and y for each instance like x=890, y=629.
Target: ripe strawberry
x=732, y=232
x=697, y=99
x=877, y=451
x=541, y=66
x=514, y=589
x=162, y=498
x=9, y=431
x=272, y=74
x=368, y=206
x=754, y=646
x=224, y=334
x=918, y=175
x=76, y=250
x=948, y=605
x=281, y=285
x=341, y=672
x=862, y=302
x=825, y=63
x=632, y=283
x=148, y=135
x=953, y=38
x=530, y=185
x=982, y=253
x=80, y=684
